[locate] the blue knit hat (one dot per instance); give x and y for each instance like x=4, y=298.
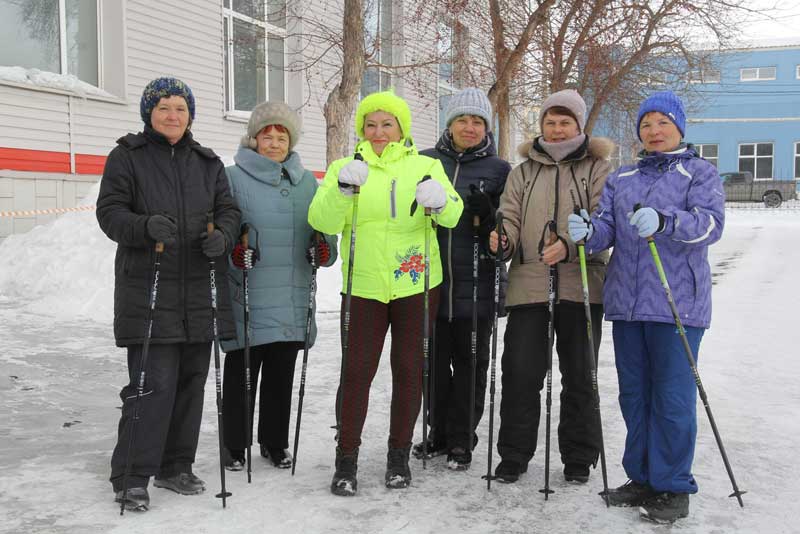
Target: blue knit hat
x=469, y=101
x=164, y=88
x=665, y=102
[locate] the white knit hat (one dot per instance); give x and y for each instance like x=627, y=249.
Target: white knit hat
x=469, y=101
x=268, y=113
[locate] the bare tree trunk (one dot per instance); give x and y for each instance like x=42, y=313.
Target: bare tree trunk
x=507, y=64
x=342, y=99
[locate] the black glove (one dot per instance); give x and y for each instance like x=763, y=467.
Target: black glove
x=213, y=244
x=162, y=229
x=319, y=252
x=478, y=203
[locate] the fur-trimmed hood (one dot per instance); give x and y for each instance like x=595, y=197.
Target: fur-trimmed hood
x=598, y=148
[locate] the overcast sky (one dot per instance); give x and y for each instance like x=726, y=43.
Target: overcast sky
x=786, y=23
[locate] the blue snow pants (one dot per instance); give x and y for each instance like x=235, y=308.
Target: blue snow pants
x=658, y=398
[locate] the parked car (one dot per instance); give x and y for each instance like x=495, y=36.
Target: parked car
x=741, y=187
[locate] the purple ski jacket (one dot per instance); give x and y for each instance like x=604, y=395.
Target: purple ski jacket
x=687, y=191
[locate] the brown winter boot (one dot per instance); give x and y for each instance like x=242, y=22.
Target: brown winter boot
x=344, y=481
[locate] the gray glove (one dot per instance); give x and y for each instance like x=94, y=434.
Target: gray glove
x=162, y=229
x=213, y=244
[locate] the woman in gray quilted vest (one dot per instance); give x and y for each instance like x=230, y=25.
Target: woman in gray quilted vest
x=273, y=191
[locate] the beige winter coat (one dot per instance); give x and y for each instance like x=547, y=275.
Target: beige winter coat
x=539, y=190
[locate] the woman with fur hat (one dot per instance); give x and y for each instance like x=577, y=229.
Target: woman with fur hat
x=274, y=192
x=396, y=186
x=469, y=155
x=158, y=187
x=564, y=168
x=684, y=212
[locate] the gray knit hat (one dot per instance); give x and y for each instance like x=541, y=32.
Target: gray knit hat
x=568, y=98
x=268, y=113
x=469, y=101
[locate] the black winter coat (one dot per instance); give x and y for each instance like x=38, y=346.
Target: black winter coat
x=144, y=175
x=478, y=166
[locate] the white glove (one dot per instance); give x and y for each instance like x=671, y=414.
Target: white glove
x=431, y=194
x=580, y=226
x=353, y=174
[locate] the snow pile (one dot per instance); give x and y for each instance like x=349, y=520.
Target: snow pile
x=65, y=269
x=51, y=80
x=62, y=269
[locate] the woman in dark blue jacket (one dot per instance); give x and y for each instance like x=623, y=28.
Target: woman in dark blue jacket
x=469, y=156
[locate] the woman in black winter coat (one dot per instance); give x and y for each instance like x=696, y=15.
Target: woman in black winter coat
x=469, y=156
x=159, y=186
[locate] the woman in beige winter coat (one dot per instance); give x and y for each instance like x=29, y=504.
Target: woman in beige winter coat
x=564, y=168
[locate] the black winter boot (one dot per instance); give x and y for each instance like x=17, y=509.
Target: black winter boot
x=136, y=500
x=344, y=481
x=435, y=448
x=630, y=494
x=398, y=474
x=576, y=473
x=665, y=507
x=508, y=471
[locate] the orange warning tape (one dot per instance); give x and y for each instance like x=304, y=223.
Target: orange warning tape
x=52, y=211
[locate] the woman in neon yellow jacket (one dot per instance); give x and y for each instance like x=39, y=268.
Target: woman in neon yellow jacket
x=388, y=272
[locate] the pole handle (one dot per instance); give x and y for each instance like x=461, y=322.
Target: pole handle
x=160, y=247
x=245, y=237
x=210, y=222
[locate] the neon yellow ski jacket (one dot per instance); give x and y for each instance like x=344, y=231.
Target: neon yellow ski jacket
x=390, y=242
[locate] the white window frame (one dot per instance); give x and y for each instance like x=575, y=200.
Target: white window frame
x=228, y=14
x=701, y=147
x=445, y=87
x=796, y=171
x=755, y=157
x=705, y=76
x=758, y=76
x=381, y=31
x=797, y=72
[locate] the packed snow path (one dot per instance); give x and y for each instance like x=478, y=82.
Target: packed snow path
x=59, y=401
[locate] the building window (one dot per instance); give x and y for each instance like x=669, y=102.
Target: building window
x=706, y=75
x=57, y=36
x=446, y=83
x=797, y=72
x=254, y=32
x=756, y=158
x=797, y=161
x=709, y=152
x=378, y=43
x=753, y=74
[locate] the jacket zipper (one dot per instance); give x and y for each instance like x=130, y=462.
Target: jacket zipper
x=525, y=211
x=184, y=241
x=638, y=255
x=392, y=200
x=450, y=251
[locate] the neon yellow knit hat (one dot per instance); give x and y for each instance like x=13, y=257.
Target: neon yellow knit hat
x=384, y=101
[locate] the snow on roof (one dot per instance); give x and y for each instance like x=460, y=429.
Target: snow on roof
x=51, y=80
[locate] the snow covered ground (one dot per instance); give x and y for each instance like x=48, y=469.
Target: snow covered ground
x=61, y=376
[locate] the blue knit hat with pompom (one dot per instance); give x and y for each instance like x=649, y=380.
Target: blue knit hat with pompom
x=164, y=88
x=667, y=103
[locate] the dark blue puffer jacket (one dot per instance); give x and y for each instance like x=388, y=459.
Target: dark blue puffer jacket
x=478, y=166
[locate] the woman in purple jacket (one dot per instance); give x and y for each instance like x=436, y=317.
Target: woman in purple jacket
x=683, y=210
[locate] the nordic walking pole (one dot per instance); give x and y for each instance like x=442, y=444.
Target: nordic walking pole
x=312, y=292
x=247, y=378
x=498, y=263
x=591, y=359
x=213, y=283
x=142, y=369
x=426, y=330
x=473, y=361
x=551, y=309
x=692, y=363
x=347, y=300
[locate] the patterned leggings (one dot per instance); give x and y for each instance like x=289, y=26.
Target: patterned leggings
x=369, y=322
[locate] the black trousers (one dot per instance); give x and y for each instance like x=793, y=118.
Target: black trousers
x=170, y=411
x=524, y=366
x=276, y=362
x=451, y=381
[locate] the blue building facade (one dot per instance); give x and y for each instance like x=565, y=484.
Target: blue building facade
x=743, y=112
